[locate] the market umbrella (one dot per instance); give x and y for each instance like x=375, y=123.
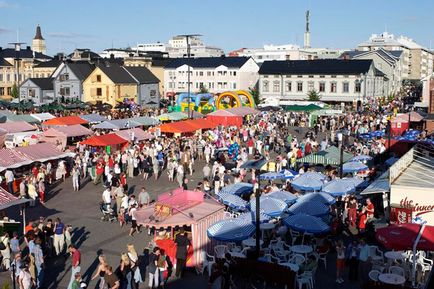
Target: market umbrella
x=309, y=181
x=237, y=189
x=376, y=133
x=306, y=223
x=321, y=197
x=285, y=196
x=233, y=201
x=341, y=187
x=282, y=175
x=402, y=237
x=354, y=167
x=313, y=208
x=269, y=206
x=231, y=230
x=251, y=217
x=361, y=158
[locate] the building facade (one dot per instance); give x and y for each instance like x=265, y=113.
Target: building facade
x=215, y=74
x=38, y=90
x=68, y=80
x=334, y=80
x=148, y=93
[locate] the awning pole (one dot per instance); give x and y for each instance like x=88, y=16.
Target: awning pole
x=24, y=219
x=416, y=242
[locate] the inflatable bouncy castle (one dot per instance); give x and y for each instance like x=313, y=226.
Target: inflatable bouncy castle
x=230, y=99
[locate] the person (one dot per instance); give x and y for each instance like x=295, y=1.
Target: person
x=59, y=236
x=75, y=178
x=75, y=263
x=352, y=257
x=107, y=197
x=143, y=197
x=38, y=256
x=110, y=278
x=310, y=265
x=162, y=268
x=6, y=252
x=340, y=261
x=125, y=272
x=364, y=262
x=76, y=284
x=15, y=244
x=25, y=278
x=41, y=187
x=182, y=242
x=100, y=271
x=68, y=235
x=153, y=268
x=369, y=209
x=136, y=276
x=99, y=170
x=119, y=194
x=9, y=176
x=132, y=214
x=362, y=221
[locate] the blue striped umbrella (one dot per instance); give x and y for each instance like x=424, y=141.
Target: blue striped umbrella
x=376, y=133
x=309, y=181
x=285, y=196
x=269, y=206
x=361, y=158
x=321, y=197
x=341, y=187
x=251, y=217
x=353, y=167
x=282, y=175
x=313, y=208
x=306, y=223
x=237, y=189
x=232, y=201
x=231, y=230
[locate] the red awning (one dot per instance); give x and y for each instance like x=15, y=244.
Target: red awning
x=65, y=120
x=402, y=237
x=109, y=139
x=8, y=200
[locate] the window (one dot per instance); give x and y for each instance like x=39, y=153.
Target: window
x=333, y=87
x=300, y=76
x=322, y=87
x=299, y=86
x=322, y=76
x=65, y=91
x=98, y=78
x=200, y=73
x=310, y=76
x=9, y=91
x=235, y=73
x=276, y=86
x=333, y=76
x=32, y=92
x=8, y=78
x=1, y=77
x=346, y=87
x=64, y=77
x=310, y=86
x=288, y=86
x=265, y=87
x=208, y=73
x=99, y=91
x=152, y=92
x=2, y=91
x=234, y=85
x=358, y=87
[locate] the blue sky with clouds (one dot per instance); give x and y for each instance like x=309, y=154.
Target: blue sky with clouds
x=230, y=24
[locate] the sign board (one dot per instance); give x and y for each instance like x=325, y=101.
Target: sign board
x=414, y=202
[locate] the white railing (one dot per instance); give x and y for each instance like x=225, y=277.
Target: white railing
x=397, y=168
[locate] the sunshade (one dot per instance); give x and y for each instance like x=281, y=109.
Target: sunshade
x=329, y=156
x=402, y=237
x=176, y=115
x=17, y=126
x=306, y=223
x=117, y=124
x=68, y=131
x=251, y=217
x=42, y=116
x=237, y=189
x=146, y=120
x=135, y=134
x=285, y=196
x=93, y=118
x=341, y=187
x=65, y=120
x=354, y=167
x=231, y=230
x=243, y=111
x=269, y=206
x=313, y=208
x=361, y=158
x=282, y=175
x=233, y=201
x=317, y=197
x=104, y=140
x=309, y=181
x=378, y=186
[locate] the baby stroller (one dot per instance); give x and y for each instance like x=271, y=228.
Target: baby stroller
x=108, y=215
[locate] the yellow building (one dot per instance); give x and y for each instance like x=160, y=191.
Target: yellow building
x=109, y=83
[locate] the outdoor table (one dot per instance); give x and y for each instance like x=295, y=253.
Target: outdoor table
x=265, y=227
x=251, y=243
x=237, y=255
x=301, y=249
x=394, y=255
x=392, y=279
x=292, y=266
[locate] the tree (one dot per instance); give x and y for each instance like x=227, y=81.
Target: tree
x=14, y=91
x=313, y=95
x=255, y=94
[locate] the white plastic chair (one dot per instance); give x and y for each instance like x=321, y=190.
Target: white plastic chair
x=397, y=270
x=304, y=280
x=207, y=262
x=376, y=254
x=220, y=251
x=271, y=259
x=373, y=275
x=294, y=236
x=378, y=268
x=323, y=257
x=297, y=259
x=308, y=275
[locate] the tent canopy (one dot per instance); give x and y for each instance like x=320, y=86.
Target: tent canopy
x=242, y=111
x=117, y=124
x=109, y=139
x=93, y=118
x=139, y=134
x=402, y=237
x=309, y=107
x=379, y=186
x=329, y=156
x=41, y=117
x=176, y=115
x=17, y=126
x=146, y=120
x=187, y=126
x=22, y=117
x=65, y=120
x=8, y=200
x=67, y=131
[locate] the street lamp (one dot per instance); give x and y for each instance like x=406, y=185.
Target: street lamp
x=187, y=38
x=341, y=155
x=17, y=46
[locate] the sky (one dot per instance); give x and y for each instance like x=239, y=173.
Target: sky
x=229, y=24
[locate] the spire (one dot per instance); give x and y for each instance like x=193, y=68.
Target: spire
x=38, y=33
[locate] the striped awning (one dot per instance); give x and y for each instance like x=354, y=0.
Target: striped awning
x=233, y=201
x=313, y=208
x=329, y=156
x=269, y=206
x=231, y=230
x=306, y=223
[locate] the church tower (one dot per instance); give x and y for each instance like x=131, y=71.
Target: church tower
x=38, y=43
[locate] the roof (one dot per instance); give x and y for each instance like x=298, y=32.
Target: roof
x=85, y=53
x=329, y=156
x=20, y=117
x=24, y=53
x=104, y=140
x=68, y=131
x=139, y=134
x=243, y=111
x=209, y=62
x=8, y=200
x=43, y=83
x=17, y=126
x=142, y=74
x=318, y=66
x=55, y=62
x=42, y=116
x=3, y=62
x=161, y=62
x=81, y=69
x=65, y=120
x=93, y=118
x=117, y=73
x=117, y=124
x=38, y=34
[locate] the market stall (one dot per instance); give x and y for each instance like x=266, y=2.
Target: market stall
x=225, y=118
x=64, y=133
x=65, y=121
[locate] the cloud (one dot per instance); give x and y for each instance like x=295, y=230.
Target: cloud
x=4, y=30
x=69, y=35
x=5, y=4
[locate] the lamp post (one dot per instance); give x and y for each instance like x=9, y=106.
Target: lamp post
x=341, y=155
x=187, y=38
x=17, y=47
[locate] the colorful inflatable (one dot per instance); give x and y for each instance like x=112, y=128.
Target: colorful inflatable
x=202, y=102
x=233, y=151
x=237, y=98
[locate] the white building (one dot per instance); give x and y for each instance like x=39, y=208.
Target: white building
x=335, y=80
x=150, y=47
x=217, y=74
x=417, y=60
x=38, y=90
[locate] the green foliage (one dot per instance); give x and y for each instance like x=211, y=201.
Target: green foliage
x=14, y=91
x=314, y=95
x=390, y=97
x=255, y=94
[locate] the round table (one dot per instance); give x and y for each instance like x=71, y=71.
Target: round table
x=301, y=249
x=251, y=242
x=267, y=226
x=393, y=279
x=394, y=255
x=292, y=266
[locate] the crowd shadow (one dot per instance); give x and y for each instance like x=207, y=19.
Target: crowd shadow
x=79, y=235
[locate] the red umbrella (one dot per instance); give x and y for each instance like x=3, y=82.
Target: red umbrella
x=402, y=237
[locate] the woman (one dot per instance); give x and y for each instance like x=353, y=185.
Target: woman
x=31, y=190
x=153, y=268
x=340, y=261
x=155, y=167
x=6, y=252
x=134, y=259
x=100, y=272
x=75, y=178
x=41, y=188
x=180, y=175
x=25, y=278
x=125, y=272
x=162, y=266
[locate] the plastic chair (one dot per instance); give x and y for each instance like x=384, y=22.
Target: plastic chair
x=376, y=254
x=378, y=268
x=294, y=236
x=271, y=259
x=323, y=257
x=397, y=270
x=306, y=236
x=373, y=275
x=308, y=275
x=220, y=251
x=297, y=259
x=304, y=280
x=207, y=262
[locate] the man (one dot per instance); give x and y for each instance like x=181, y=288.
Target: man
x=107, y=197
x=37, y=253
x=99, y=170
x=132, y=214
x=364, y=262
x=110, y=279
x=182, y=242
x=119, y=194
x=59, y=237
x=144, y=198
x=75, y=263
x=9, y=176
x=369, y=209
x=206, y=171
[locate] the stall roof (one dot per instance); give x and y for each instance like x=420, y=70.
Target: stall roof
x=139, y=134
x=93, y=118
x=243, y=111
x=329, y=156
x=104, y=140
x=21, y=117
x=187, y=126
x=146, y=120
x=42, y=116
x=65, y=120
x=117, y=124
x=176, y=115
x=8, y=200
x=222, y=112
x=17, y=126
x=379, y=186
x=67, y=131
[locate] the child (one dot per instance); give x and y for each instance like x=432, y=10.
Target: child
x=121, y=217
x=41, y=186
